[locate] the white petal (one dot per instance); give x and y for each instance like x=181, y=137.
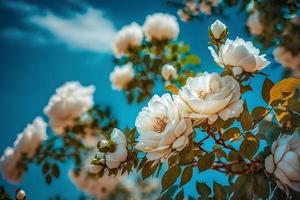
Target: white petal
x=269, y=164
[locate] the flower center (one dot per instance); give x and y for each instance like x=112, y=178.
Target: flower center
x=203, y=94
x=160, y=124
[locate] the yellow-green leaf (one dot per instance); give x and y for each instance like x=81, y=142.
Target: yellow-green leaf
x=172, y=88
x=267, y=85
x=186, y=175
x=206, y=161
x=249, y=146
x=246, y=119
x=259, y=112
x=284, y=89
x=231, y=134
x=170, y=177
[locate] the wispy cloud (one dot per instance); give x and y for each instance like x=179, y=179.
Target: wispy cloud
x=89, y=30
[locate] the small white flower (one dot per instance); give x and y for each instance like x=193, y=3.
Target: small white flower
x=161, y=26
x=31, y=138
x=129, y=36
x=121, y=76
x=169, y=72
x=161, y=128
x=69, y=102
x=20, y=195
x=284, y=162
x=254, y=24
x=114, y=159
x=210, y=96
x=287, y=59
x=8, y=165
x=237, y=71
x=217, y=28
x=239, y=53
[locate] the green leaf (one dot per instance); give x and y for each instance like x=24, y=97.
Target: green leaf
x=249, y=146
x=45, y=167
x=246, y=119
x=267, y=85
x=48, y=179
x=186, y=155
x=206, y=161
x=170, y=177
x=219, y=192
x=147, y=169
x=203, y=189
x=284, y=89
x=186, y=175
x=55, y=170
x=231, y=134
x=180, y=195
x=192, y=59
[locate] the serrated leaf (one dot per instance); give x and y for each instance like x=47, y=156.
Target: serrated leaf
x=231, y=134
x=267, y=85
x=284, y=89
x=55, y=170
x=186, y=175
x=206, y=161
x=246, y=119
x=259, y=113
x=203, y=189
x=249, y=146
x=170, y=177
x=219, y=192
x=180, y=195
x=172, y=88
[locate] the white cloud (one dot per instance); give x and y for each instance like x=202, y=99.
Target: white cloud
x=89, y=31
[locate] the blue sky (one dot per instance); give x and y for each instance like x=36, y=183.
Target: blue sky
x=46, y=43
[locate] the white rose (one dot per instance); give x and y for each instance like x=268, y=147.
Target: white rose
x=121, y=76
x=129, y=36
x=31, y=138
x=161, y=128
x=114, y=159
x=8, y=165
x=286, y=58
x=217, y=28
x=239, y=53
x=69, y=102
x=254, y=24
x=169, y=72
x=20, y=195
x=161, y=26
x=210, y=96
x=284, y=162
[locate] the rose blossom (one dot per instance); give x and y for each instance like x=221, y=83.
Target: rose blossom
x=121, y=76
x=169, y=72
x=119, y=155
x=129, y=36
x=70, y=101
x=31, y=138
x=287, y=59
x=254, y=24
x=8, y=165
x=161, y=26
x=239, y=53
x=284, y=162
x=161, y=128
x=210, y=96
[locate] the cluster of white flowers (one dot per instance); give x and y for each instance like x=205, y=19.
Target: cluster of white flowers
x=157, y=26
x=166, y=124
x=128, y=37
x=121, y=76
x=68, y=103
x=254, y=24
x=99, y=188
x=287, y=59
x=284, y=162
x=26, y=143
x=239, y=53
